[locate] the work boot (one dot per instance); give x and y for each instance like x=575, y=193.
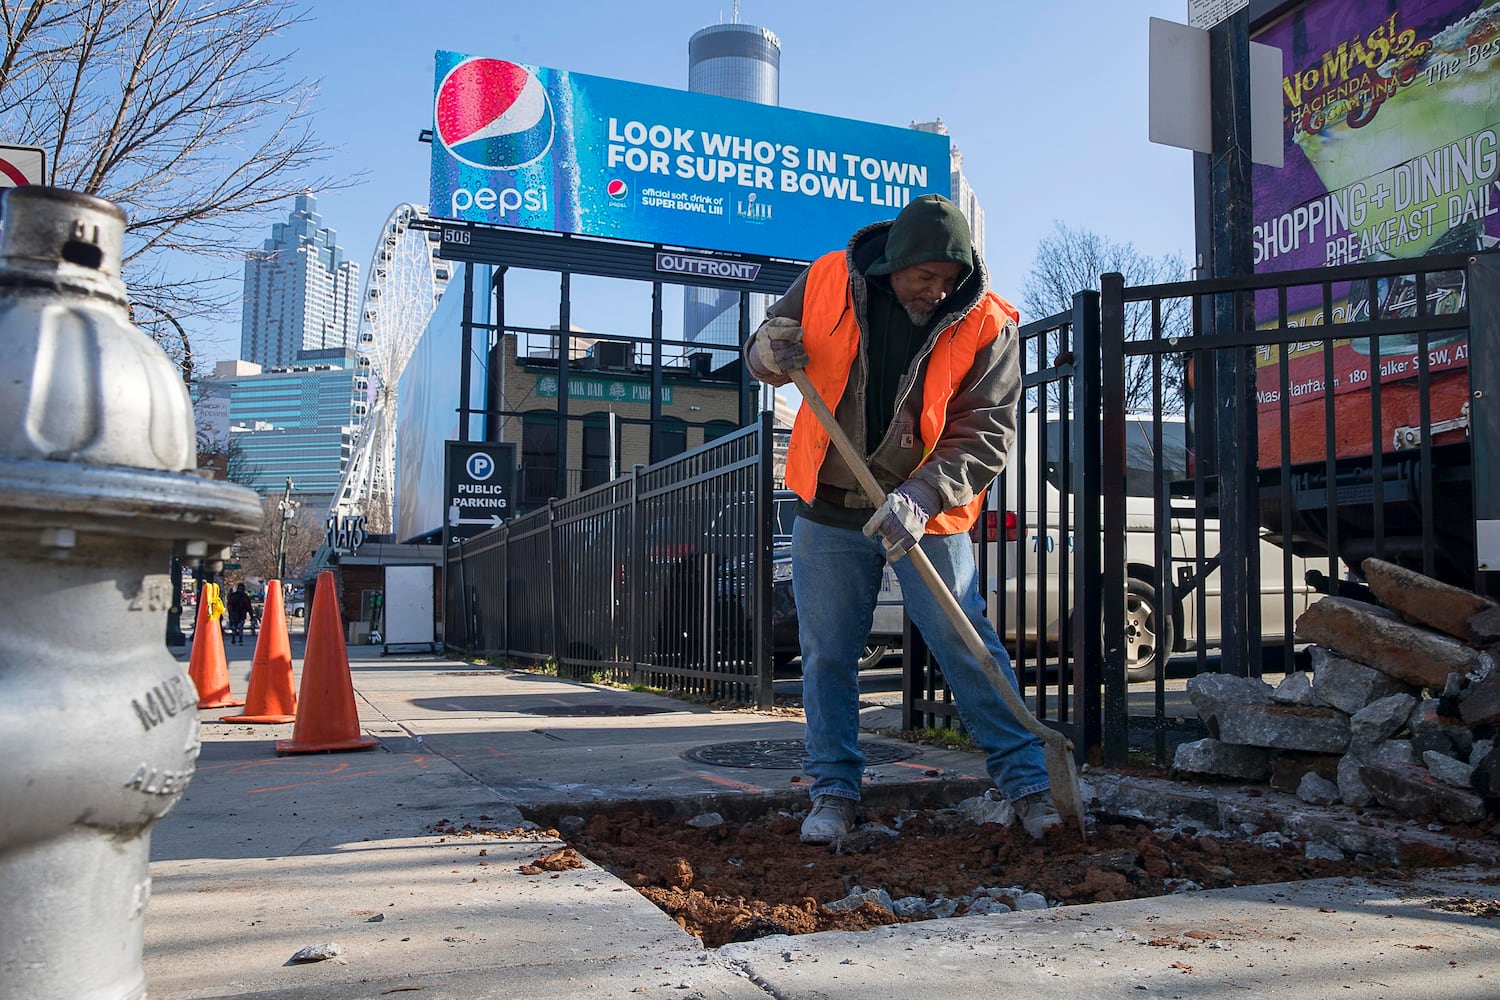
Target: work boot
x=832, y=816
x=1037, y=813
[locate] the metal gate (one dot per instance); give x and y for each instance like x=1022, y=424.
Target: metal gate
x=1185, y=533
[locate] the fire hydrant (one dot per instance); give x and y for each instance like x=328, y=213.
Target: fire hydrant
x=98, y=722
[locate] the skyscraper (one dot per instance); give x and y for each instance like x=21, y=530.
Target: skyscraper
x=963, y=195
x=300, y=293
x=741, y=61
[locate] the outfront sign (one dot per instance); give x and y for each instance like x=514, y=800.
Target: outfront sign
x=552, y=150
x=480, y=479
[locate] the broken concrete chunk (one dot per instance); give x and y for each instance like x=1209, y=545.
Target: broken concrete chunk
x=1411, y=654
x=1412, y=791
x=1210, y=756
x=1210, y=692
x=1288, y=767
x=1480, y=751
x=318, y=953
x=1420, y=598
x=1481, y=702
x=1352, y=791
x=1317, y=790
x=1282, y=727
x=1348, y=686
x=1384, y=752
x=1485, y=625
x=706, y=821
x=1447, y=770
x=1486, y=776
x=855, y=900
x=1381, y=719
x=1295, y=689
x=1431, y=730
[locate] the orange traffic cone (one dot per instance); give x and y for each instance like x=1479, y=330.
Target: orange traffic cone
x=206, y=665
x=327, y=718
x=272, y=697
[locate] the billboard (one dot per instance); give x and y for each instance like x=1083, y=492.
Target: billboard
x=553, y=150
x=1391, y=136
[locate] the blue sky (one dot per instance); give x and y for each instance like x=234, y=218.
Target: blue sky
x=1046, y=100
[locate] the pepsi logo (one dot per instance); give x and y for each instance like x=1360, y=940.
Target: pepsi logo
x=493, y=114
x=617, y=189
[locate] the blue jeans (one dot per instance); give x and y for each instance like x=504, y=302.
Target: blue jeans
x=836, y=580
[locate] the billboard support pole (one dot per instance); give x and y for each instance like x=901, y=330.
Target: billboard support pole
x=749, y=391
x=564, y=359
x=495, y=370
x=465, y=366
x=1234, y=374
x=656, y=380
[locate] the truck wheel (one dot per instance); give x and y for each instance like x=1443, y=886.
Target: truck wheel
x=1148, y=632
x=872, y=654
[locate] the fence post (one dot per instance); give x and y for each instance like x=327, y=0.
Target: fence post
x=634, y=577
x=553, y=584
x=1110, y=434
x=1484, y=412
x=505, y=590
x=765, y=512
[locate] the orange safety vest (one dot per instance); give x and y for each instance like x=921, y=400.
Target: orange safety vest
x=832, y=342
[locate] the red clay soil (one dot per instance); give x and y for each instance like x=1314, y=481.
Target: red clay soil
x=744, y=880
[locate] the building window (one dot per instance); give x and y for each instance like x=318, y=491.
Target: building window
x=671, y=439
x=715, y=429
x=538, y=457
x=596, y=450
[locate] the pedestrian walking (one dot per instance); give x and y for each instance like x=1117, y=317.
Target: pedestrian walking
x=238, y=608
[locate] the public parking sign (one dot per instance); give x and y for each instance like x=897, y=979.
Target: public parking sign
x=22, y=165
x=480, y=479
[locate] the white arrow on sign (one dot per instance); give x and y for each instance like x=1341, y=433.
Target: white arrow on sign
x=22, y=165
x=493, y=520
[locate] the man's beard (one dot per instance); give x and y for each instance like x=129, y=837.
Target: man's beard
x=918, y=315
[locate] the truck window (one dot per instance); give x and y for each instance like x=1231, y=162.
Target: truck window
x=1140, y=449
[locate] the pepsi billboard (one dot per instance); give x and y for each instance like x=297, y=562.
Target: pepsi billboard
x=553, y=150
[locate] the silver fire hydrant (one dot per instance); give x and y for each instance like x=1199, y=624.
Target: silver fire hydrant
x=98, y=722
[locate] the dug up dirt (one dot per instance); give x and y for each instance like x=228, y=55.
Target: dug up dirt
x=736, y=881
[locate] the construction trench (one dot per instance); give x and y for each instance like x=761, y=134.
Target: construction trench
x=1340, y=771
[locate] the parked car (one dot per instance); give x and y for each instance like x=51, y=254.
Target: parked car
x=886, y=632
x=1033, y=555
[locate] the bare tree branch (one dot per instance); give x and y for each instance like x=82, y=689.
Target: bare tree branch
x=177, y=111
x=1071, y=260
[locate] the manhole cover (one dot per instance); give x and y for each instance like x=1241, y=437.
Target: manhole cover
x=782, y=755
x=597, y=710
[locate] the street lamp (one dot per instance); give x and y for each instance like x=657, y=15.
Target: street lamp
x=288, y=508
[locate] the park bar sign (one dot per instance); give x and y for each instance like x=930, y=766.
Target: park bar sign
x=479, y=482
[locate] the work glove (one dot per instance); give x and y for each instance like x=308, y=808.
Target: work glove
x=901, y=521
x=777, y=351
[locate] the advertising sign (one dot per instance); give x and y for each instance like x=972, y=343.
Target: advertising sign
x=480, y=486
x=553, y=150
x=1391, y=133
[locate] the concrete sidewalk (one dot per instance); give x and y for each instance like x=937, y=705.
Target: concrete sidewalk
x=267, y=855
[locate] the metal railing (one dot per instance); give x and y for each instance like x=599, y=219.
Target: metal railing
x=660, y=578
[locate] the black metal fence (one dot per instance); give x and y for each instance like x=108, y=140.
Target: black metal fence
x=660, y=578
x=1197, y=462
x=1182, y=485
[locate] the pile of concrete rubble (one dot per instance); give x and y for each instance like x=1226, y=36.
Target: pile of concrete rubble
x=1400, y=707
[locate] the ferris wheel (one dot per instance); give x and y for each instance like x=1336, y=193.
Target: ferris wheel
x=402, y=288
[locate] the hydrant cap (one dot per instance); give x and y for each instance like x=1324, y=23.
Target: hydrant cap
x=78, y=381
